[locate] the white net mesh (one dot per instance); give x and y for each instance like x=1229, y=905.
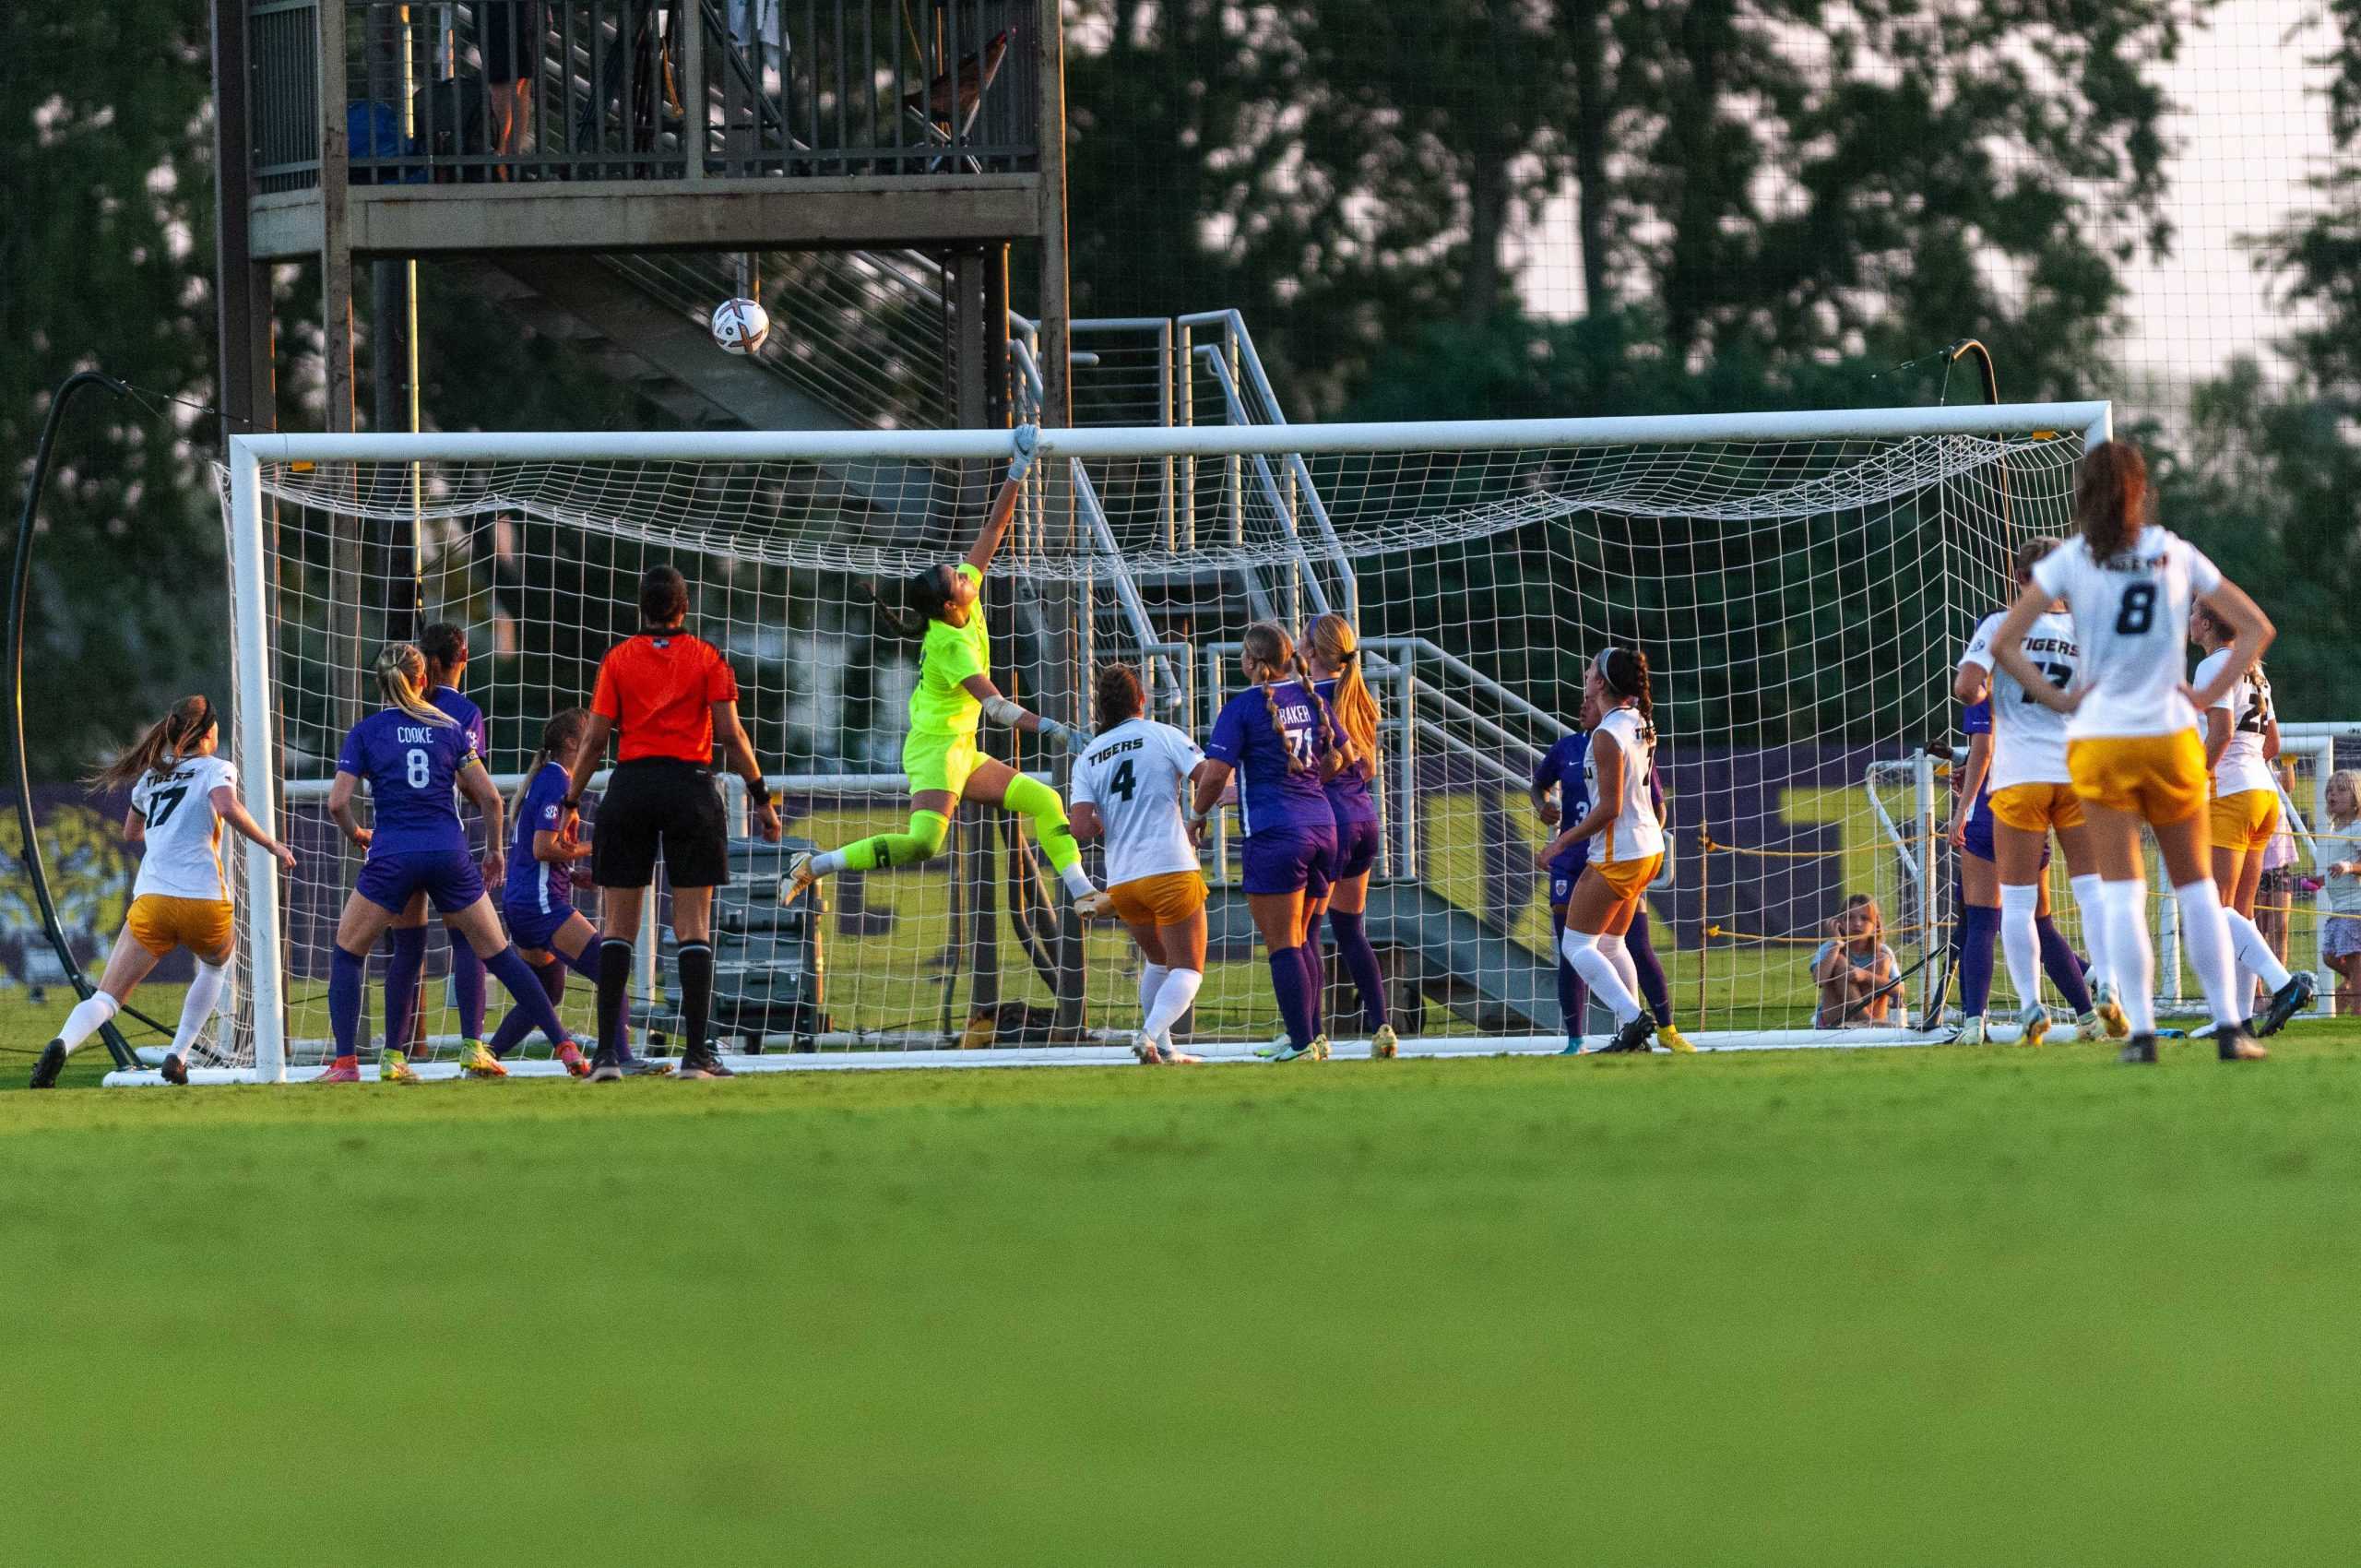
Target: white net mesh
x=1801, y=601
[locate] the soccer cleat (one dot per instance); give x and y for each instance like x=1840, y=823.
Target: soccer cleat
x=799, y=877
x=1673, y=1040
x=2140, y=1051
x=2088, y=1026
x=392, y=1067
x=1973, y=1032
x=1096, y=905
x=1319, y=1046
x=2232, y=1043
x=52, y=1063
x=2034, y=1023
x=646, y=1067
x=478, y=1062
x=1384, y=1045
x=571, y=1055
x=343, y=1070
x=1633, y=1037
x=604, y=1069
x=2110, y=1013
x=2286, y=1002
x=1288, y=1052
x=175, y=1071
x=1573, y=1045
x=702, y=1064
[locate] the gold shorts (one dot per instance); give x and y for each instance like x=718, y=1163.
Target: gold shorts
x=1627, y=877
x=2160, y=778
x=2037, y=808
x=202, y=925
x=2245, y=821
x=1165, y=899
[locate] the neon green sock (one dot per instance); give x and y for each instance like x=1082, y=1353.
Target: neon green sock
x=922, y=842
x=1031, y=798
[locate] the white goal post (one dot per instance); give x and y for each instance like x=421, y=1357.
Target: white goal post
x=1481, y=558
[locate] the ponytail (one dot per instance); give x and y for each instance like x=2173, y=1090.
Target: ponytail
x=1116, y=697
x=2111, y=497
x=1333, y=638
x=401, y=673
x=1269, y=654
x=1624, y=673
x=925, y=594
x=1319, y=702
x=560, y=734
x=164, y=742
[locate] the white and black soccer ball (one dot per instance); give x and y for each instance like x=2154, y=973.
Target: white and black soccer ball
x=740, y=326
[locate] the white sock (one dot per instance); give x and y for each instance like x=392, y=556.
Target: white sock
x=2131, y=954
x=86, y=1020
x=1077, y=880
x=2087, y=904
x=2256, y=959
x=1151, y=981
x=204, y=991
x=1172, y=1004
x=2020, y=942
x=1599, y=970
x=2206, y=936
x=1620, y=957
x=828, y=863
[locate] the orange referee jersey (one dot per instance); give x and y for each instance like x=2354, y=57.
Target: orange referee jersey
x=660, y=691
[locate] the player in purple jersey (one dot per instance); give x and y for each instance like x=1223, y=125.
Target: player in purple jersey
x=1559, y=773
x=445, y=647
x=537, y=897
x=414, y=756
x=1280, y=740
x=1332, y=651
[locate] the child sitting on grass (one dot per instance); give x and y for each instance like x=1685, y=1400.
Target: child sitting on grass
x=1854, y=968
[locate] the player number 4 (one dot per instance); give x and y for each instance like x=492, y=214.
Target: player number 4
x=1121, y=785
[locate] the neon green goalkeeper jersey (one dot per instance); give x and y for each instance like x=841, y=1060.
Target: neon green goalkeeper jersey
x=941, y=704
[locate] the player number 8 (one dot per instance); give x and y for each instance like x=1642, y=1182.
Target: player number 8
x=2139, y=611
x=419, y=776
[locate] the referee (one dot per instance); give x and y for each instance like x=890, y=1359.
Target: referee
x=667, y=694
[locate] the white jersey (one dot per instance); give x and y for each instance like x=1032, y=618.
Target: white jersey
x=1635, y=834
x=183, y=857
x=1135, y=774
x=2028, y=740
x=2132, y=621
x=2247, y=702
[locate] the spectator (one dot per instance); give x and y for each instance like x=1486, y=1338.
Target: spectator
x=511, y=45
x=1854, y=968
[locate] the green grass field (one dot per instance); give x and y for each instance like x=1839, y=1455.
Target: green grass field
x=1874, y=1307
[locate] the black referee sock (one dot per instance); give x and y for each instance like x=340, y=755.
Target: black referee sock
x=614, y=994
x=696, y=994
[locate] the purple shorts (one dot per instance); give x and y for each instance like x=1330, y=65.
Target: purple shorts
x=532, y=926
x=1356, y=845
x=1290, y=859
x=450, y=879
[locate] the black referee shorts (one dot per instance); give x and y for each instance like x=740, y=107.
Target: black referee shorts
x=657, y=802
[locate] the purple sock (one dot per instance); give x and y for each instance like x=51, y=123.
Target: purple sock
x=1360, y=962
x=508, y=967
x=405, y=973
x=2064, y=969
x=1315, y=980
x=467, y=979
x=1652, y=986
x=345, y=974
x=1573, y=992
x=515, y=1027
x=1978, y=929
x=1289, y=978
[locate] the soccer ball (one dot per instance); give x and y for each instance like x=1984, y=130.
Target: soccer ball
x=740, y=326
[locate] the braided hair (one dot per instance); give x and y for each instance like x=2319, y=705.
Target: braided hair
x=1271, y=656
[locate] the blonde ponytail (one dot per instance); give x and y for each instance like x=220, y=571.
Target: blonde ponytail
x=166, y=741
x=1340, y=648
x=402, y=677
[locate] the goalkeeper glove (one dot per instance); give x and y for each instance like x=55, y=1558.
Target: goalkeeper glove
x=1062, y=737
x=1025, y=437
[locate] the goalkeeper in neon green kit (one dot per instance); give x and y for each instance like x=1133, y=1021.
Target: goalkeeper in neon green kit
x=955, y=695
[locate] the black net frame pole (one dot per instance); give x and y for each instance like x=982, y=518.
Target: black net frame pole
x=20, y=583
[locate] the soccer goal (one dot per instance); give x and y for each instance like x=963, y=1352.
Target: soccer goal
x=1800, y=582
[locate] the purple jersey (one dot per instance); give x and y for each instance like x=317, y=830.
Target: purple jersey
x=412, y=770
x=1561, y=767
x=1271, y=795
x=1977, y=720
x=538, y=886
x=456, y=707
x=1348, y=793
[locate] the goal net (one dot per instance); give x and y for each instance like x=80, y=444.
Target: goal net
x=1802, y=584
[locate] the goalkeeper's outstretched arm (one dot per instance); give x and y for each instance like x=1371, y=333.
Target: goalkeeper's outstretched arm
x=995, y=529
x=1004, y=711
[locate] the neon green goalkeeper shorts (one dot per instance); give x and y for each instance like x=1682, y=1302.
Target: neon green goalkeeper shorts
x=939, y=761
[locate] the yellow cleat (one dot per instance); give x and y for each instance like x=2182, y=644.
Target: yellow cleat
x=1320, y=1049
x=2110, y=1014
x=1672, y=1040
x=2034, y=1023
x=1384, y=1045
x=394, y=1068
x=477, y=1061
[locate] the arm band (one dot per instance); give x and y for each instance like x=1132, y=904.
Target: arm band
x=1000, y=710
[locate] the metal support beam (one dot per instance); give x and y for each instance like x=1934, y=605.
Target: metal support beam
x=336, y=344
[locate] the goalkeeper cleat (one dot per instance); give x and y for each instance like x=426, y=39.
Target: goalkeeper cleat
x=2286, y=1002
x=2034, y=1024
x=799, y=878
x=1096, y=905
x=2232, y=1043
x=1673, y=1040
x=1384, y=1045
x=52, y=1063
x=2110, y=1013
x=175, y=1071
x=1973, y=1032
x=2140, y=1052
x=343, y=1070
x=604, y=1069
x=394, y=1068
x=2088, y=1025
x=478, y=1062
x=570, y=1056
